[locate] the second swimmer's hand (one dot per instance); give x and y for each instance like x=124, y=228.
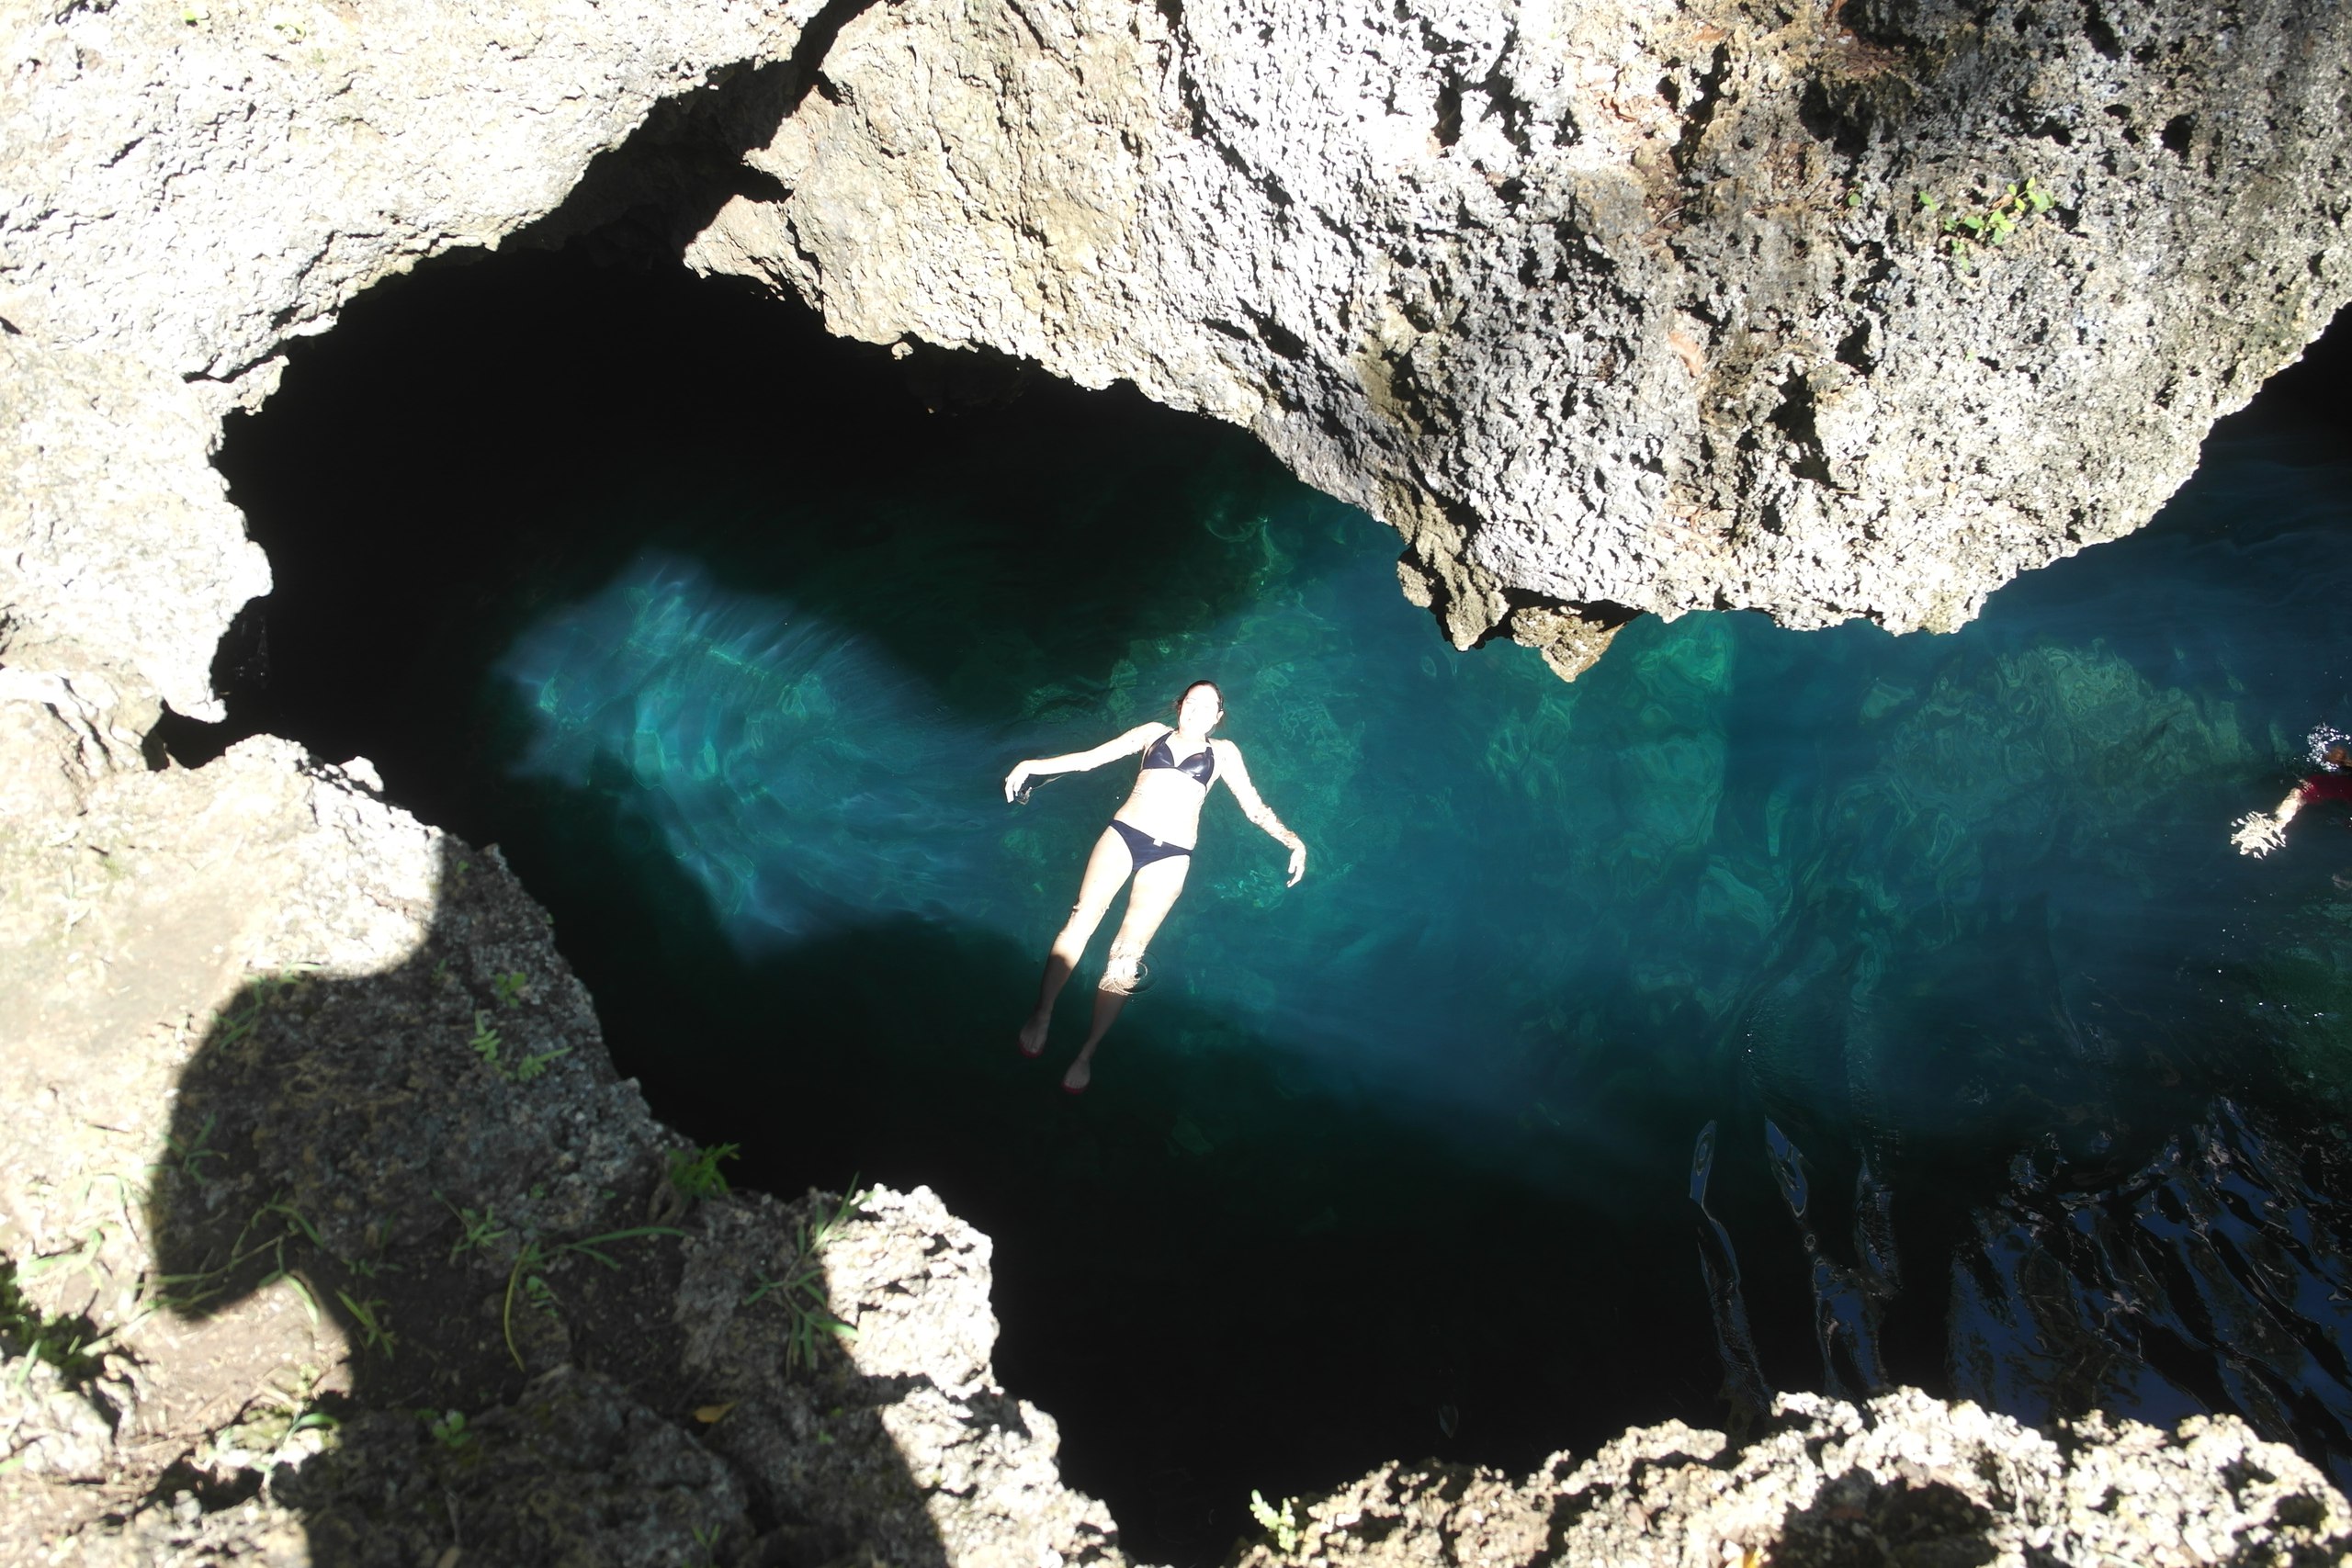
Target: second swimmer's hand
x=1015, y=782
x=1297, y=866
x=2259, y=833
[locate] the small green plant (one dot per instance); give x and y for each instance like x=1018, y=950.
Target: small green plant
x=183, y=1293
x=486, y=1042
x=533, y=1067
x=1282, y=1526
x=694, y=1171
x=1994, y=223
x=800, y=1290
x=448, y=1427
x=285, y=1406
x=509, y=987
x=368, y=1316
x=70, y=1345
x=258, y=997
x=188, y=1153
x=528, y=1277
x=476, y=1228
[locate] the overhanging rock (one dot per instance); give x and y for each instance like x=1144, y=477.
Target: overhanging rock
x=1822, y=310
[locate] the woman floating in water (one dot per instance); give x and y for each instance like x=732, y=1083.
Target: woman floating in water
x=2259, y=833
x=1151, y=837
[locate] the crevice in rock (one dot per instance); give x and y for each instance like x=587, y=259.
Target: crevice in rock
x=651, y=195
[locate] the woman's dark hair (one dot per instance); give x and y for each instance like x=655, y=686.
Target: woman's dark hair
x=1196, y=686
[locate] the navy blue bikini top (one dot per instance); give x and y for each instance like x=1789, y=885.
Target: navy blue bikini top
x=1200, y=767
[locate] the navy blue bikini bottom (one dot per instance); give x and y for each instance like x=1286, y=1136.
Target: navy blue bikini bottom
x=1142, y=847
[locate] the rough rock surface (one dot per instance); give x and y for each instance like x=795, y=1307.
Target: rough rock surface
x=331, y=1237
x=1607, y=308
x=184, y=188
x=1904, y=1480
x=335, y=1235
x=1618, y=306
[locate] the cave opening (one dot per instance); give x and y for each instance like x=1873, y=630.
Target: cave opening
x=1898, y=955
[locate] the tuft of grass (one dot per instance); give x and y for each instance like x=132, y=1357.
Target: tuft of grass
x=528, y=1277
x=276, y=1223
x=71, y=1345
x=187, y=1154
x=800, y=1290
x=694, y=1171
x=476, y=1228
x=368, y=1316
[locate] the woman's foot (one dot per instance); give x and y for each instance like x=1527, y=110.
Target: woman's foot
x=1080, y=1074
x=1033, y=1036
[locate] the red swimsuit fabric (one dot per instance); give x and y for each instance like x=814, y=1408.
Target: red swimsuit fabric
x=2324, y=787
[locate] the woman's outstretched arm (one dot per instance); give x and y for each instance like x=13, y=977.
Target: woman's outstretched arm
x=1235, y=775
x=1126, y=745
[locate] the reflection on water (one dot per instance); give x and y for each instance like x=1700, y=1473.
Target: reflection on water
x=1943, y=931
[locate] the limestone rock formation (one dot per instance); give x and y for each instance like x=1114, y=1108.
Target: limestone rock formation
x=1608, y=308
x=1824, y=310
x=185, y=188
x=1902, y=1480
x=1821, y=310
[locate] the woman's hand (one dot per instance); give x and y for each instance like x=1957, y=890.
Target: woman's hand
x=1017, y=780
x=1297, y=863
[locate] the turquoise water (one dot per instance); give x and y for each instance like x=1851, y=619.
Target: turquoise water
x=1765, y=1010
x=1899, y=904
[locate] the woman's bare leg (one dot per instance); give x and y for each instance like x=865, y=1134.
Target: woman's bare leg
x=1148, y=901
x=1105, y=869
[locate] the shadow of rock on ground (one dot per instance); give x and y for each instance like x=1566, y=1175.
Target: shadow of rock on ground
x=408, y=1277
x=555, y=1352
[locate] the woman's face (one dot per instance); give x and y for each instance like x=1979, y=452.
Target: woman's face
x=1199, y=710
